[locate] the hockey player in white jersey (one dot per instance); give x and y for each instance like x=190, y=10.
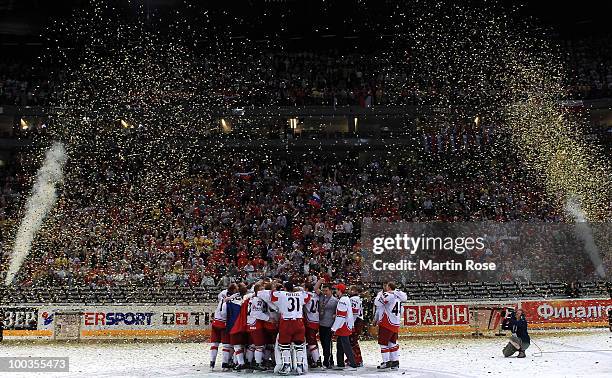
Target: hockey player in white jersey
x=271, y=326
x=311, y=323
x=218, y=332
x=357, y=306
x=257, y=316
x=291, y=329
x=388, y=315
x=343, y=329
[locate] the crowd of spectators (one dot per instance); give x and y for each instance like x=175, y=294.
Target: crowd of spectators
x=331, y=78
x=24, y=83
x=242, y=216
x=307, y=78
x=590, y=63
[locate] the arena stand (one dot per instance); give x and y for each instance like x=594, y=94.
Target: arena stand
x=148, y=248
x=185, y=313
x=332, y=78
x=417, y=292
x=176, y=272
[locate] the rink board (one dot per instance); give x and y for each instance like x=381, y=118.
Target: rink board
x=192, y=322
x=112, y=322
x=453, y=317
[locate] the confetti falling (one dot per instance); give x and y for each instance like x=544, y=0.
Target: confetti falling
x=38, y=205
x=136, y=107
x=483, y=61
x=139, y=110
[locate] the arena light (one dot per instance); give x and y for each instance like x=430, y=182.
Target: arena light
x=126, y=125
x=477, y=121
x=24, y=124
x=226, y=126
x=293, y=123
x=355, y=120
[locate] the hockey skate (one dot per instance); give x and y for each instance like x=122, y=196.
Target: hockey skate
x=243, y=367
x=315, y=364
x=299, y=369
x=285, y=369
x=384, y=366
x=258, y=367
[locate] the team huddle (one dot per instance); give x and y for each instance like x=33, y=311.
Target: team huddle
x=272, y=325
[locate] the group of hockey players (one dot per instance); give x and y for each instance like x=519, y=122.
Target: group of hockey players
x=274, y=325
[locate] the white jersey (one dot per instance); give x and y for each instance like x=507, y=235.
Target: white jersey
x=220, y=316
x=222, y=295
x=273, y=313
x=344, y=321
x=378, y=308
x=257, y=310
x=290, y=304
x=357, y=306
x=265, y=295
x=389, y=309
x=272, y=309
x=312, y=309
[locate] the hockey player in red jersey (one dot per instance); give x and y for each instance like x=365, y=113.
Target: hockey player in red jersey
x=388, y=314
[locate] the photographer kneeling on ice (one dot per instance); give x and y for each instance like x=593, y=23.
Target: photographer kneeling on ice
x=516, y=322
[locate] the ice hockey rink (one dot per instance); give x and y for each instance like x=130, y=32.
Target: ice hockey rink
x=584, y=353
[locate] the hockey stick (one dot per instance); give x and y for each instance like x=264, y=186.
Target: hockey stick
x=541, y=353
x=537, y=346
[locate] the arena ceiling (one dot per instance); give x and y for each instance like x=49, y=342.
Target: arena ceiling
x=299, y=19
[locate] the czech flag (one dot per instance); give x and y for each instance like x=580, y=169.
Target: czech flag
x=315, y=200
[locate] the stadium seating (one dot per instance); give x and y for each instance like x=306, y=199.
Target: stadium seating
x=417, y=292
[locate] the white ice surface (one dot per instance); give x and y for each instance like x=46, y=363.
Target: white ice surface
x=585, y=353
